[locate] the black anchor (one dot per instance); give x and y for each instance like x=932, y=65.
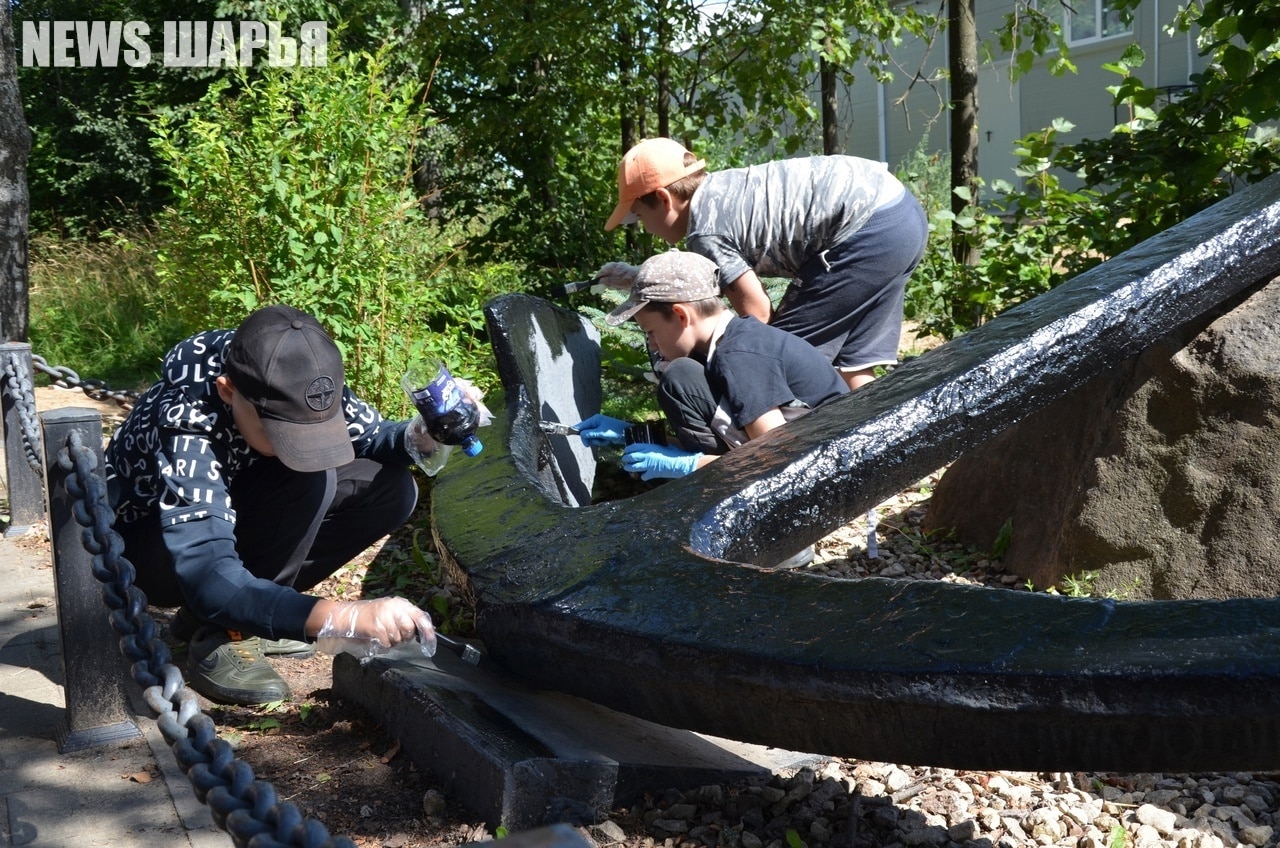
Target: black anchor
x=648, y=605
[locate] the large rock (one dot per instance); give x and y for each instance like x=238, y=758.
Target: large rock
x=1163, y=475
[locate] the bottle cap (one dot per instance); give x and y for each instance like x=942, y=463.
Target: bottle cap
x=472, y=446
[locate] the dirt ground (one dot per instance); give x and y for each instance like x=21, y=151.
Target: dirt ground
x=337, y=766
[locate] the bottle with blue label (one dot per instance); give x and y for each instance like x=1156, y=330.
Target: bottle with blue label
x=445, y=412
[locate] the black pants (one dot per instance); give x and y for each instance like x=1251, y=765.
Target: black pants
x=292, y=528
x=687, y=402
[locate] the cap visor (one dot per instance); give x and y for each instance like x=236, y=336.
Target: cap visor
x=628, y=308
x=311, y=447
x=621, y=215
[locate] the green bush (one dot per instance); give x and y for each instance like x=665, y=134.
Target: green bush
x=296, y=186
x=1155, y=169
x=1028, y=240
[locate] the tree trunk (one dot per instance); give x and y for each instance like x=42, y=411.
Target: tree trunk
x=830, y=120
x=626, y=80
x=962, y=38
x=664, y=76
x=15, y=145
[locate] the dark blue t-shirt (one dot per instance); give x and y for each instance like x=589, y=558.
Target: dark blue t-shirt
x=755, y=367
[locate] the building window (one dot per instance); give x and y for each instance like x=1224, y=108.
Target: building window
x=1090, y=20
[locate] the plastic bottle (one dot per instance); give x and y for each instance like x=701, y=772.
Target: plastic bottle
x=445, y=412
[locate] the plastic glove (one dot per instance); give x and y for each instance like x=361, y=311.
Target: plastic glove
x=367, y=628
x=617, y=275
x=601, y=430
x=654, y=461
x=476, y=394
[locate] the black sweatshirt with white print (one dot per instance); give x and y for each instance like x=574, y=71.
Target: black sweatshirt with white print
x=176, y=455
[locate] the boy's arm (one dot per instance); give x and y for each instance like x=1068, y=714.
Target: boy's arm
x=748, y=297
x=372, y=436
x=771, y=419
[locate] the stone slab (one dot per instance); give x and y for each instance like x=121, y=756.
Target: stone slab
x=522, y=757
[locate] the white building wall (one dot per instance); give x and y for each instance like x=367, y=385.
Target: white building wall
x=879, y=122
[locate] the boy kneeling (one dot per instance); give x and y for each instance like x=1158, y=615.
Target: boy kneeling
x=729, y=379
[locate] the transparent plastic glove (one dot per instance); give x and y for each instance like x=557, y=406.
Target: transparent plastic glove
x=617, y=275
x=367, y=628
x=430, y=455
x=599, y=430
x=654, y=461
x=477, y=397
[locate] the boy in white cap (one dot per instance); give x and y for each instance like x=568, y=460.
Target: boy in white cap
x=245, y=476
x=845, y=230
x=729, y=379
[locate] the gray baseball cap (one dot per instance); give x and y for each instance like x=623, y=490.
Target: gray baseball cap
x=676, y=276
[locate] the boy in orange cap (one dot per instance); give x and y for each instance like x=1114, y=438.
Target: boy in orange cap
x=845, y=230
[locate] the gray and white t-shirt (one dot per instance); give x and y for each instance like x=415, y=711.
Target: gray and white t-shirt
x=774, y=217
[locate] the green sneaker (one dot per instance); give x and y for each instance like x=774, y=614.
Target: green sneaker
x=230, y=670
x=184, y=624
x=289, y=649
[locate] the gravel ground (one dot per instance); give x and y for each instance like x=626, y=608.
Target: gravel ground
x=853, y=803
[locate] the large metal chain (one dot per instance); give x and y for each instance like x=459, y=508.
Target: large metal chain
x=17, y=383
x=96, y=389
x=243, y=806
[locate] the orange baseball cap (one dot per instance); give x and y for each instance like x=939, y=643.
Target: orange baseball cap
x=652, y=164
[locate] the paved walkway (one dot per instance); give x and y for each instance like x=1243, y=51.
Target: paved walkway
x=126, y=794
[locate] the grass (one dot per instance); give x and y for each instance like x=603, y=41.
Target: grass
x=95, y=309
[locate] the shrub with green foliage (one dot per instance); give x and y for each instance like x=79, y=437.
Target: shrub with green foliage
x=1157, y=168
x=1028, y=239
x=296, y=186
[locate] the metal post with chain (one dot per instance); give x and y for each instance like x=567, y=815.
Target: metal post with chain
x=97, y=708
x=24, y=471
x=243, y=806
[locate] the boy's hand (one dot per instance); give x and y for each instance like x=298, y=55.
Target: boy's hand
x=654, y=461
x=599, y=430
x=369, y=627
x=617, y=275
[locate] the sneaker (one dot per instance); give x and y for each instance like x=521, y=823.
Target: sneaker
x=230, y=670
x=800, y=560
x=184, y=624
x=289, y=649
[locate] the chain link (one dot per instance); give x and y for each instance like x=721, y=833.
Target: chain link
x=18, y=385
x=243, y=806
x=95, y=389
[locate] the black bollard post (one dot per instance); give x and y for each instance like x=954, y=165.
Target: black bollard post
x=93, y=667
x=21, y=444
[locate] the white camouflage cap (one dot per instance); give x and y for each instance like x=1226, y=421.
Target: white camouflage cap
x=676, y=276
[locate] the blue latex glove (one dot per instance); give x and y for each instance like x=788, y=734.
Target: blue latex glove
x=601, y=430
x=653, y=461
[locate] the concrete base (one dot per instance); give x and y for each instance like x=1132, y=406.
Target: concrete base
x=522, y=758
